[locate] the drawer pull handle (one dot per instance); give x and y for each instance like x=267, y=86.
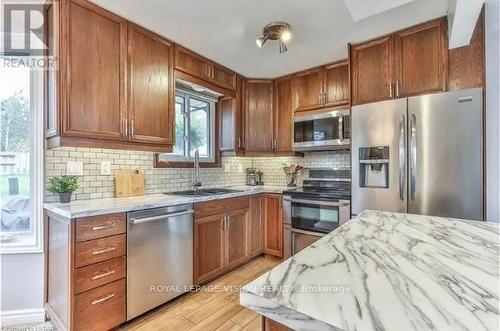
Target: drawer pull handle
x=102, y=227
x=103, y=299
x=104, y=274
x=102, y=251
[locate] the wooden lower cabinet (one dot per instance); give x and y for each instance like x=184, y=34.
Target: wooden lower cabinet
x=273, y=225
x=236, y=237
x=86, y=278
x=270, y=325
x=230, y=232
x=208, y=247
x=255, y=226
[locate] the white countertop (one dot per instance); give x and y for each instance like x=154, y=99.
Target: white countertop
x=83, y=208
x=387, y=271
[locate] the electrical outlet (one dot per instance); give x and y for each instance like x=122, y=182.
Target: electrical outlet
x=240, y=168
x=74, y=168
x=105, y=167
x=227, y=167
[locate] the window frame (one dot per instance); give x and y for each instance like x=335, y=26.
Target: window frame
x=177, y=161
x=36, y=170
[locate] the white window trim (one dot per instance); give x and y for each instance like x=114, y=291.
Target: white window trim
x=36, y=169
x=211, y=143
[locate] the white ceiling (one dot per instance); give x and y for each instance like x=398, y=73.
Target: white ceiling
x=225, y=30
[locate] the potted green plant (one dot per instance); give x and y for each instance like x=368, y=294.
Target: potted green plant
x=64, y=186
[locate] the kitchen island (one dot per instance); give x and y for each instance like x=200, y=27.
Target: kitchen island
x=387, y=271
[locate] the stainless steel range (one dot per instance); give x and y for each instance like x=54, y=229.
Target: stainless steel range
x=320, y=206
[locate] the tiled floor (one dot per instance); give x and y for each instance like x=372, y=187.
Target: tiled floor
x=213, y=309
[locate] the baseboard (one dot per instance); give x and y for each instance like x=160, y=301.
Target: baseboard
x=24, y=316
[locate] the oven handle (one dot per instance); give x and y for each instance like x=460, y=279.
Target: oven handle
x=311, y=233
x=340, y=203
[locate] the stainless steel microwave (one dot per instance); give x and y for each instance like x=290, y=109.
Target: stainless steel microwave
x=325, y=131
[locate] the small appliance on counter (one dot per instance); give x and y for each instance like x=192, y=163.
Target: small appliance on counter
x=254, y=177
x=251, y=176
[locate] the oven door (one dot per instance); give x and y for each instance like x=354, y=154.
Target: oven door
x=300, y=239
x=321, y=131
x=319, y=216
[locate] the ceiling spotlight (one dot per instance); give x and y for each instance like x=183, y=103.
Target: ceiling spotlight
x=261, y=41
x=282, y=32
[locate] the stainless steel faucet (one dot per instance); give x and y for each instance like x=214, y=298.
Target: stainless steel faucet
x=196, y=171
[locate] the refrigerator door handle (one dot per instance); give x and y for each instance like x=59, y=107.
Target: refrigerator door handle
x=402, y=157
x=413, y=156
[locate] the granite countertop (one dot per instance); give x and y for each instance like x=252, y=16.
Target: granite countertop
x=387, y=271
x=83, y=208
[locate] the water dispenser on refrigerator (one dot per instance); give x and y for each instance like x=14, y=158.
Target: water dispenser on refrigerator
x=374, y=167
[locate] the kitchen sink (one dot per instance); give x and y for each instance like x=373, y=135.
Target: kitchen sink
x=205, y=192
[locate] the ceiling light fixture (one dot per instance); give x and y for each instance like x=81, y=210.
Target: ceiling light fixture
x=276, y=31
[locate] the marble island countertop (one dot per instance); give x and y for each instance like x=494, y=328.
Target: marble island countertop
x=390, y=272
x=84, y=208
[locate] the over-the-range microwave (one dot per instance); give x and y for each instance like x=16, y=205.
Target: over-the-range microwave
x=325, y=131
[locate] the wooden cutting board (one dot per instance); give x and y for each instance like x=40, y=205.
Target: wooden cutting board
x=129, y=183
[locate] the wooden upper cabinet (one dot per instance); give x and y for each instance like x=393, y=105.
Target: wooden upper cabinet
x=151, y=87
x=371, y=70
x=191, y=63
x=96, y=79
x=223, y=77
x=283, y=112
x=231, y=116
x=200, y=67
x=336, y=84
x=466, y=64
x=114, y=83
x=259, y=116
x=209, y=246
x=410, y=62
x=236, y=237
x=420, y=57
x=273, y=225
x=308, y=89
x=326, y=86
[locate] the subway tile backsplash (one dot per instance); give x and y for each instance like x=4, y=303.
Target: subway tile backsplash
x=93, y=185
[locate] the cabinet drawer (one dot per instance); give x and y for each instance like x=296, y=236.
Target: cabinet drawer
x=98, y=274
x=99, y=226
x=220, y=206
x=102, y=308
x=98, y=250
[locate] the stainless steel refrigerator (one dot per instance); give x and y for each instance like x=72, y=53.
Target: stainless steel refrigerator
x=420, y=155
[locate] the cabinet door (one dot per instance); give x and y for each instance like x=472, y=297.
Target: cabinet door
x=255, y=226
x=191, y=63
x=308, y=89
x=96, y=79
x=151, y=87
x=421, y=57
x=223, y=77
x=208, y=247
x=273, y=226
x=259, y=116
x=236, y=237
x=228, y=127
x=231, y=128
x=371, y=68
x=283, y=112
x=336, y=84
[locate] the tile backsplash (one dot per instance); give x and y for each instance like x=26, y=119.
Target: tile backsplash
x=93, y=185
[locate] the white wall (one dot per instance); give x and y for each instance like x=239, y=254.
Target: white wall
x=22, y=287
x=492, y=109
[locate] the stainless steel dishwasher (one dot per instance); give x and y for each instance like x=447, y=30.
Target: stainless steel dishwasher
x=159, y=256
